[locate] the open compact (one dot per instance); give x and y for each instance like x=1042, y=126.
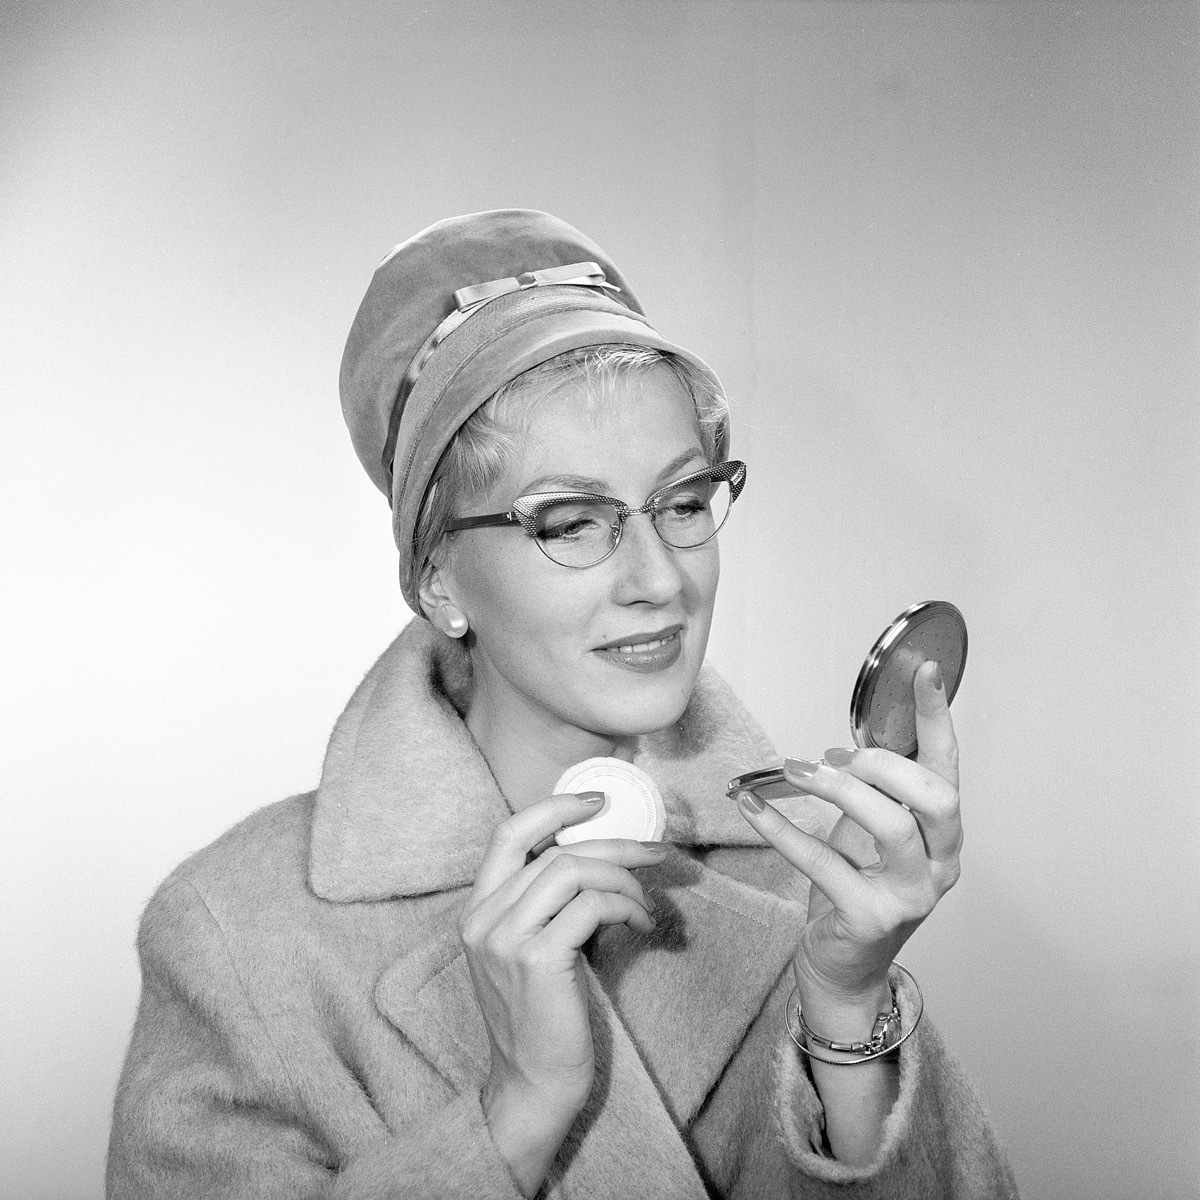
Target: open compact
x=882, y=708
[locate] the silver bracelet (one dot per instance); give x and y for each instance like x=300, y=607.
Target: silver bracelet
x=886, y=1036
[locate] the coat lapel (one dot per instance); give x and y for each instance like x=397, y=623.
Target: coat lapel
x=624, y=1132
x=688, y=993
x=427, y=995
x=683, y=996
x=730, y=910
x=624, y=1143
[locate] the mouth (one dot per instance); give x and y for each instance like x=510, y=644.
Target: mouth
x=649, y=651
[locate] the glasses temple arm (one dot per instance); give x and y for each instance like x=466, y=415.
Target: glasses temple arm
x=480, y=522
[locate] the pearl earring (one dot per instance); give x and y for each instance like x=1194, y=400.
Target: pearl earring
x=455, y=623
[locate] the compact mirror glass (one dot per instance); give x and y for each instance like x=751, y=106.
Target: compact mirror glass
x=882, y=710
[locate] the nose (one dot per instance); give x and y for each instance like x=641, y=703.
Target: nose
x=648, y=570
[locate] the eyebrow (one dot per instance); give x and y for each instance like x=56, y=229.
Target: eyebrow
x=585, y=483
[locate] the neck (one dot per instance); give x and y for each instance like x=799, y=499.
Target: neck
x=526, y=748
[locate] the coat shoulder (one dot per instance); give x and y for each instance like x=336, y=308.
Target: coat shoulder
x=247, y=897
x=259, y=865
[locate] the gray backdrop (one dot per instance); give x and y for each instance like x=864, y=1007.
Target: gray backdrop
x=945, y=258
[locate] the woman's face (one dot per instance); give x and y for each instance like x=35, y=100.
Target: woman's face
x=548, y=639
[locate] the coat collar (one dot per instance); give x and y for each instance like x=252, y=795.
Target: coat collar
x=406, y=801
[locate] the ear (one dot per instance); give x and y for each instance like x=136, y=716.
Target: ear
x=437, y=604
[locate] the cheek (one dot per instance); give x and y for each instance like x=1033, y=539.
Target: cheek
x=532, y=620
x=516, y=607
x=703, y=575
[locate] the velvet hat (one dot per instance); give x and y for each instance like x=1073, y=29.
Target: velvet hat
x=453, y=314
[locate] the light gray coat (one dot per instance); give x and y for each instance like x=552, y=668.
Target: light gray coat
x=307, y=1026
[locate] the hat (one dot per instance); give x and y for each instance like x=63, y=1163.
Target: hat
x=453, y=314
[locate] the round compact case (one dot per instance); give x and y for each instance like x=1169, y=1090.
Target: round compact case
x=633, y=806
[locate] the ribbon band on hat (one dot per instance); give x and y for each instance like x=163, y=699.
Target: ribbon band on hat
x=583, y=274
x=467, y=302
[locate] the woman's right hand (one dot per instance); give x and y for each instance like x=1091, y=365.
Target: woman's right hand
x=522, y=927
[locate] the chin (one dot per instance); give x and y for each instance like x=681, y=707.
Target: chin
x=645, y=709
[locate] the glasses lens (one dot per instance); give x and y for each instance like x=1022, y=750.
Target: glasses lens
x=692, y=512
x=576, y=533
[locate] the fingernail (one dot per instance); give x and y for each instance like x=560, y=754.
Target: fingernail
x=801, y=767
x=654, y=847
x=750, y=802
x=936, y=677
x=837, y=757
x=591, y=797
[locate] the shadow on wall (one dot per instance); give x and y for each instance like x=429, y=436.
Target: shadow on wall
x=1123, y=1034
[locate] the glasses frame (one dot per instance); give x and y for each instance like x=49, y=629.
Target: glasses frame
x=526, y=508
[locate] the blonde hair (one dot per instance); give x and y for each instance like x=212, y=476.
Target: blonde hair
x=490, y=439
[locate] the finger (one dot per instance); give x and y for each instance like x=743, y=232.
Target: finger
x=937, y=747
x=905, y=781
x=566, y=877
x=621, y=852
x=932, y=799
x=588, y=912
x=822, y=864
x=893, y=827
x=514, y=837
x=614, y=849
x=542, y=846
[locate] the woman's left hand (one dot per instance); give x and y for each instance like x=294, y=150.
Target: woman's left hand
x=890, y=858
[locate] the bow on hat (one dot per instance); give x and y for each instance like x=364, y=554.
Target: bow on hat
x=583, y=274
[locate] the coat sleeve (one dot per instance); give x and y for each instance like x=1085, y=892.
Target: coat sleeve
x=211, y=1104
x=937, y=1141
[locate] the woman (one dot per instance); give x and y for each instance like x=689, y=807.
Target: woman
x=400, y=985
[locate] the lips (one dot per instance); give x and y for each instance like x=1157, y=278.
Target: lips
x=652, y=650
x=642, y=641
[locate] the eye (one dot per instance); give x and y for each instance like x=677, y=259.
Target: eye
x=566, y=529
x=573, y=520
x=687, y=502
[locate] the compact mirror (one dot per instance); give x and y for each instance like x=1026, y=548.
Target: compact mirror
x=882, y=709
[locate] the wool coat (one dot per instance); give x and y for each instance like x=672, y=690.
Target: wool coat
x=307, y=1026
